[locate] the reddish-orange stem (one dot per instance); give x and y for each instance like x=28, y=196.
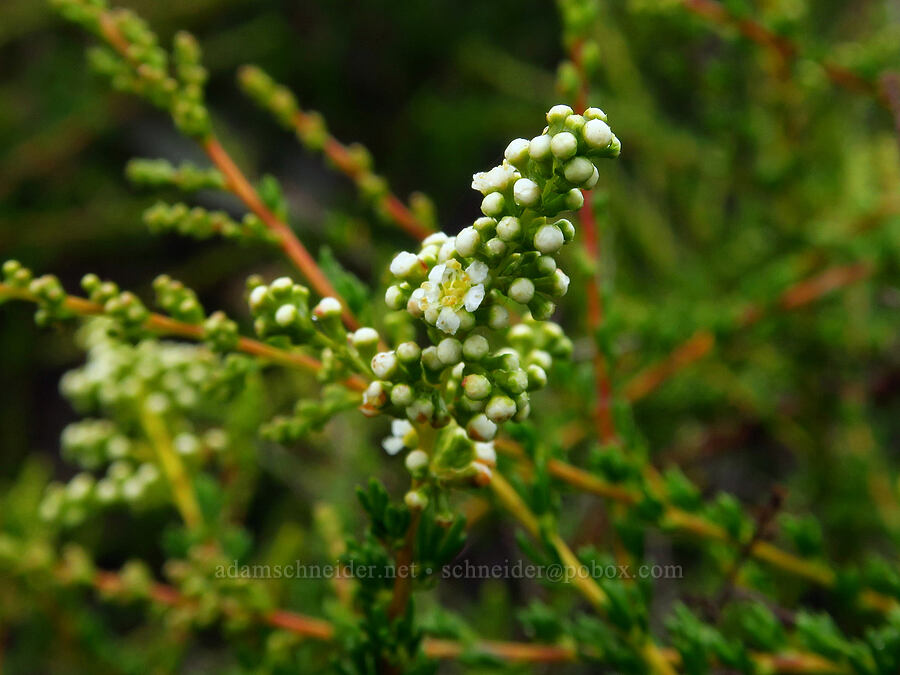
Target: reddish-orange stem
x=241, y=187
x=292, y=246
x=787, y=50
x=159, y=323
x=603, y=416
x=340, y=156
x=702, y=342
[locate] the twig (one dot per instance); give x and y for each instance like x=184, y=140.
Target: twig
x=520, y=652
x=717, y=12
x=603, y=417
x=165, y=325
x=702, y=342
x=339, y=154
x=238, y=184
x=690, y=523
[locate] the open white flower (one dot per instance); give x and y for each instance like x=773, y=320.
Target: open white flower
x=495, y=180
x=403, y=435
x=450, y=290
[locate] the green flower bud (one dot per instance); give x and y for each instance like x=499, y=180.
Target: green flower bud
x=477, y=387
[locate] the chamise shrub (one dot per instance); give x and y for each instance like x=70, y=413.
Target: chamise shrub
x=627, y=404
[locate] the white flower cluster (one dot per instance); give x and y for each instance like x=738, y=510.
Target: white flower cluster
x=457, y=283
x=463, y=287
x=121, y=381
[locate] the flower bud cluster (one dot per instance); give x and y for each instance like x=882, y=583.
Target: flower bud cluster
x=124, y=307
x=199, y=223
x=159, y=173
x=456, y=283
x=136, y=63
x=124, y=382
x=138, y=485
x=281, y=308
x=461, y=286
x=118, y=376
x=46, y=290
x=177, y=300
x=91, y=443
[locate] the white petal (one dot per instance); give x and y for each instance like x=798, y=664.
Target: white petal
x=485, y=453
x=400, y=428
x=447, y=321
x=473, y=298
x=392, y=445
x=477, y=272
x=436, y=238
x=436, y=275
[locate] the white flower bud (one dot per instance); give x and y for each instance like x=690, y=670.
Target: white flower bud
x=392, y=445
x=330, y=307
x=282, y=285
x=477, y=387
x=594, y=114
x=541, y=358
x=416, y=461
x=186, y=444
x=409, y=352
x=493, y=204
x=402, y=395
x=574, y=199
x=517, y=152
x=597, y=134
x=364, y=337
x=548, y=239
x=537, y=377
x=579, y=170
x=495, y=180
x=435, y=239
x=449, y=351
x=421, y=410
x=404, y=264
x=286, y=315
x=522, y=290
x=495, y=247
x=545, y=265
x=431, y=360
x=480, y=428
x=539, y=148
x=484, y=224
x=374, y=398
x=526, y=192
x=560, y=283
x=258, y=296
x=415, y=500
x=384, y=365
x=574, y=123
x=394, y=298
x=466, y=320
x=564, y=145
x=592, y=181
x=500, y=408
x=558, y=113
x=467, y=242
x=485, y=453
x=80, y=487
x=448, y=250
x=106, y=491
x=498, y=318
x=509, y=228
x=475, y=348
